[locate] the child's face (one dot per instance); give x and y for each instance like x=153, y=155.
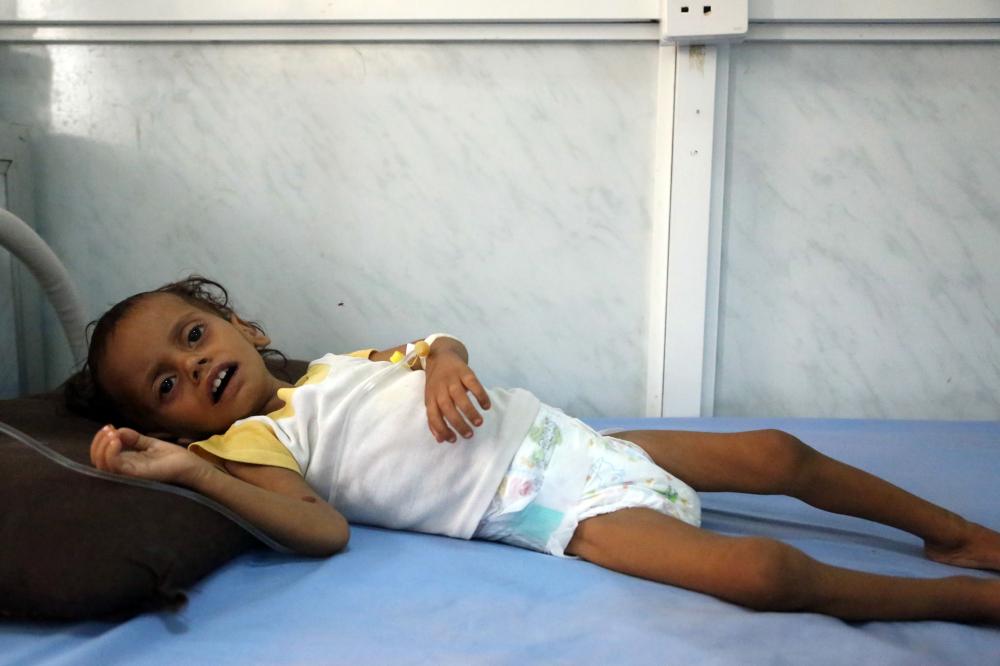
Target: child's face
x=165, y=360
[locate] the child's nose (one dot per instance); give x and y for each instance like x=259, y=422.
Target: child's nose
x=197, y=366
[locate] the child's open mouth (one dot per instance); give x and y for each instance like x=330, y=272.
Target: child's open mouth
x=221, y=382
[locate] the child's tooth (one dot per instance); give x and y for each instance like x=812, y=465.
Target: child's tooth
x=217, y=382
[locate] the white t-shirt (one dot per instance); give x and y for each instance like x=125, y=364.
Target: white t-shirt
x=357, y=432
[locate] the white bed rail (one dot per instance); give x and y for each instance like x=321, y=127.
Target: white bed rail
x=22, y=241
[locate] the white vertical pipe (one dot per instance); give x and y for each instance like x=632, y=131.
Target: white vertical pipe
x=689, y=224
x=660, y=232
x=714, y=276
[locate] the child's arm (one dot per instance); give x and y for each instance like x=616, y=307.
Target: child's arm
x=449, y=381
x=274, y=499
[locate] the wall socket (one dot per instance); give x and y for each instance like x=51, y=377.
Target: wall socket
x=703, y=21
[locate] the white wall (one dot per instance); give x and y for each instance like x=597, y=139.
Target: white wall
x=852, y=219
x=862, y=229
x=364, y=194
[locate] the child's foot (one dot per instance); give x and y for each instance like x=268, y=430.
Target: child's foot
x=977, y=548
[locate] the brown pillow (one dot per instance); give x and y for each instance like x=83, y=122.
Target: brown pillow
x=75, y=547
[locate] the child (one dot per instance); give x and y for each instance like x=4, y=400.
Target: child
x=299, y=461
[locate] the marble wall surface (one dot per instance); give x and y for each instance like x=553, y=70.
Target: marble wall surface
x=354, y=195
x=862, y=228
x=365, y=194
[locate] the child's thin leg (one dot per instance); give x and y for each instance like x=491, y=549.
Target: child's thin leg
x=769, y=575
x=775, y=462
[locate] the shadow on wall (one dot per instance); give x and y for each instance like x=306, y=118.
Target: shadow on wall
x=22, y=367
x=76, y=196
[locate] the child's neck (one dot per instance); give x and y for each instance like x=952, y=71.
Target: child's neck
x=275, y=403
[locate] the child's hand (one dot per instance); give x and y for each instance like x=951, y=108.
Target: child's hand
x=449, y=380
x=125, y=451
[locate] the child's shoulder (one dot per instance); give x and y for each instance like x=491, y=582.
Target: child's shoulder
x=319, y=369
x=316, y=372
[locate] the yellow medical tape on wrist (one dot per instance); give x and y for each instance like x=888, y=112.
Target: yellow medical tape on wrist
x=416, y=352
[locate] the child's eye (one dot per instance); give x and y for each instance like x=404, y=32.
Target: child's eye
x=166, y=386
x=194, y=335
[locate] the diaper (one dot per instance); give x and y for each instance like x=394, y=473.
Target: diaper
x=565, y=472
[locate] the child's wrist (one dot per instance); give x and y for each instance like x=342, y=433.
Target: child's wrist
x=439, y=343
x=431, y=339
x=199, y=475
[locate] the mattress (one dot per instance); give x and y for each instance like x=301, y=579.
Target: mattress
x=397, y=597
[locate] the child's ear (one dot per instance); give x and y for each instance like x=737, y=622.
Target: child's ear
x=252, y=333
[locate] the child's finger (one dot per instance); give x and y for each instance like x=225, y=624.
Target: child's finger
x=472, y=383
x=131, y=439
x=112, y=450
x=435, y=422
x=100, y=448
x=97, y=445
x=118, y=459
x=454, y=419
x=466, y=407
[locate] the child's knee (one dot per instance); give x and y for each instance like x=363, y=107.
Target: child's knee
x=768, y=575
x=785, y=459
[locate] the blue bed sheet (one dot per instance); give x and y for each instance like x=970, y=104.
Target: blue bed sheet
x=395, y=597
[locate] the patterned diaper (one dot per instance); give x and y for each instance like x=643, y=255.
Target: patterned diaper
x=565, y=472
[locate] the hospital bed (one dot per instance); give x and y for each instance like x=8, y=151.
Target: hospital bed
x=397, y=597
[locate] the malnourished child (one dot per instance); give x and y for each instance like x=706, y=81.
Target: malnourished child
x=351, y=442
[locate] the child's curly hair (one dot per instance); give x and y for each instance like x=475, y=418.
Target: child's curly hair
x=83, y=391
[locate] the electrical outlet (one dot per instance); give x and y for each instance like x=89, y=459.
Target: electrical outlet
x=703, y=21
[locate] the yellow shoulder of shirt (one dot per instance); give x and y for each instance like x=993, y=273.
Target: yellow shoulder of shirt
x=253, y=441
